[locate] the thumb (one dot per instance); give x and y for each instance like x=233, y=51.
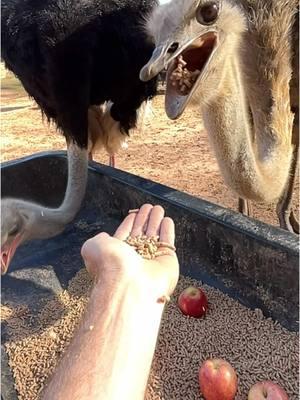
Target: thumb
x=92, y=250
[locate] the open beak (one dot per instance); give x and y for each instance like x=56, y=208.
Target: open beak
x=186, y=68
x=7, y=252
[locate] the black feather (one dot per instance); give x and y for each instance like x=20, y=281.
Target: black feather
x=70, y=54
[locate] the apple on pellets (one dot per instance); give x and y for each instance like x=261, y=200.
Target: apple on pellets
x=217, y=378
x=193, y=302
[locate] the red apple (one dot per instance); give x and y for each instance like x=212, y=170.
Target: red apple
x=218, y=380
x=267, y=390
x=193, y=302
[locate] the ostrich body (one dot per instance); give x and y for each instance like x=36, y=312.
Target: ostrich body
x=104, y=132
x=81, y=64
x=237, y=59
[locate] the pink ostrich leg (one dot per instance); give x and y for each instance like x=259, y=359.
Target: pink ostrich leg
x=112, y=161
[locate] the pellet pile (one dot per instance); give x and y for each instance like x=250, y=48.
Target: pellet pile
x=37, y=342
x=149, y=247
x=256, y=347
x=183, y=79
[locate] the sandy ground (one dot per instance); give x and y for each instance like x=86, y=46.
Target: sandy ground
x=175, y=153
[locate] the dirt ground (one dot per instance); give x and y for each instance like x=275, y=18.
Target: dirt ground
x=175, y=153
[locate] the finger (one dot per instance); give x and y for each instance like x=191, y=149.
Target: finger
x=141, y=220
x=125, y=228
x=167, y=231
x=155, y=219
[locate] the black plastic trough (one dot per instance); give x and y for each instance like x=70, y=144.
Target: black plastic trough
x=249, y=260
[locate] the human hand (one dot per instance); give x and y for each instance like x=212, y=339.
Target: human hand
x=111, y=260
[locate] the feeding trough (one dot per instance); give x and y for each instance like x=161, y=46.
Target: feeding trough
x=252, y=262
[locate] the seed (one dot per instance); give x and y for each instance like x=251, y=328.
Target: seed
x=187, y=83
x=147, y=247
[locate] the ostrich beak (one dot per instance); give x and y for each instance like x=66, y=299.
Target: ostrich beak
x=7, y=252
x=156, y=64
x=194, y=54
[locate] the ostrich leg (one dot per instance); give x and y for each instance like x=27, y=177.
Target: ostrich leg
x=245, y=207
x=112, y=161
x=284, y=210
x=286, y=216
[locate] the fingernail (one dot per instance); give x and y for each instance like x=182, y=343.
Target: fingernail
x=134, y=211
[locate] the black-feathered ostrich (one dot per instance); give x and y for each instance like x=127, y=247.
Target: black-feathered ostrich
x=238, y=62
x=73, y=55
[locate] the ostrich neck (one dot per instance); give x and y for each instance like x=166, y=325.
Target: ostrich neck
x=254, y=160
x=49, y=222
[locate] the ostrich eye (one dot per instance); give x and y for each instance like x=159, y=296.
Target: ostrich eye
x=13, y=231
x=207, y=13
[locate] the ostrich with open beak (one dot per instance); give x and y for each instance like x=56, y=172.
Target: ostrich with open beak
x=235, y=61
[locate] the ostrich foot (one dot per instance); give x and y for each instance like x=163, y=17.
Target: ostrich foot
x=112, y=161
x=245, y=207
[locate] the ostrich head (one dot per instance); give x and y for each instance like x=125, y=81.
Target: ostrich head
x=15, y=227
x=22, y=221
x=192, y=40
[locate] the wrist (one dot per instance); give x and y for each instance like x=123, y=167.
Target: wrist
x=138, y=292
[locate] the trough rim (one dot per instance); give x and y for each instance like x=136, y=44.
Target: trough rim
x=273, y=236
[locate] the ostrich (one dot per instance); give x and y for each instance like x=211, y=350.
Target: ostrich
x=81, y=63
x=235, y=61
x=104, y=132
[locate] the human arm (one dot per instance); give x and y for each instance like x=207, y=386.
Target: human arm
x=111, y=353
